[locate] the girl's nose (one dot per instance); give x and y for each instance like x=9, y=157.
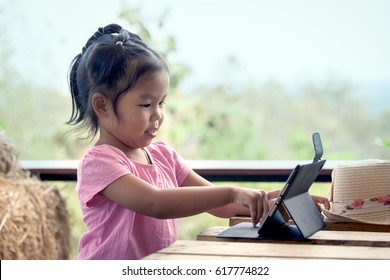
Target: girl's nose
x=157, y=114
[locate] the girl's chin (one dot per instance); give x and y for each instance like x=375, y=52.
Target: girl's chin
x=147, y=141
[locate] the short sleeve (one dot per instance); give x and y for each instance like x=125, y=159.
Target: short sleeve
x=99, y=167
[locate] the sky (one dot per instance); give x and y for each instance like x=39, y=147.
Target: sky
x=290, y=41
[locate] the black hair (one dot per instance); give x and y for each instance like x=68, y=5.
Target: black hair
x=112, y=61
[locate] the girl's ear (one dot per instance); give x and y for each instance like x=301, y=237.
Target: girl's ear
x=100, y=104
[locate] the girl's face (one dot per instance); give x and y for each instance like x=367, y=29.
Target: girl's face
x=140, y=113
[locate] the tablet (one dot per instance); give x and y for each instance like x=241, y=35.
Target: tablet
x=293, y=215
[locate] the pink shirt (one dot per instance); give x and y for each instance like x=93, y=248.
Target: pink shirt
x=115, y=232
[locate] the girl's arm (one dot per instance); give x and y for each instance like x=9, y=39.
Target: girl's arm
x=232, y=210
x=227, y=211
x=139, y=196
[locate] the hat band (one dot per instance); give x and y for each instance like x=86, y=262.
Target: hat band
x=358, y=207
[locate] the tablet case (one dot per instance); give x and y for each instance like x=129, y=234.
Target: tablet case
x=293, y=204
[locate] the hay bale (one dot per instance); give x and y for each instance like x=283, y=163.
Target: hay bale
x=34, y=220
x=9, y=160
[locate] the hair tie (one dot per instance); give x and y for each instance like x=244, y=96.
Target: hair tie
x=119, y=43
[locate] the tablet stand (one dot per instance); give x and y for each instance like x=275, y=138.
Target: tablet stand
x=293, y=204
x=298, y=207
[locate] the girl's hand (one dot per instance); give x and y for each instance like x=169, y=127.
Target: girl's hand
x=272, y=195
x=318, y=200
x=255, y=200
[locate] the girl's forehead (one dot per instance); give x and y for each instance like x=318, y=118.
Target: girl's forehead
x=155, y=79
x=153, y=85
x=154, y=76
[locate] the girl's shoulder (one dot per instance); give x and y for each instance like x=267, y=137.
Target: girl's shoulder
x=103, y=152
x=165, y=157
x=160, y=147
x=160, y=151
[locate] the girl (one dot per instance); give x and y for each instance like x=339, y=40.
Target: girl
x=131, y=189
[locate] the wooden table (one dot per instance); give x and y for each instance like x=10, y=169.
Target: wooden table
x=214, y=250
x=330, y=225
x=324, y=244
x=322, y=237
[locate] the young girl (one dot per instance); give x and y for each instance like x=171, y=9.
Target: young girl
x=131, y=189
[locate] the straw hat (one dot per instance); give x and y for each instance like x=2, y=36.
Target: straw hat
x=360, y=192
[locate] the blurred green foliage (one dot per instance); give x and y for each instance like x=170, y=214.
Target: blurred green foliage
x=222, y=122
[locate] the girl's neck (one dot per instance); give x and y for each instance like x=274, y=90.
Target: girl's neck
x=101, y=141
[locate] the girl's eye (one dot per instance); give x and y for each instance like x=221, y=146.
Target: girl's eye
x=161, y=104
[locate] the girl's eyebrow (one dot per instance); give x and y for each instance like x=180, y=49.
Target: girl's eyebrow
x=147, y=95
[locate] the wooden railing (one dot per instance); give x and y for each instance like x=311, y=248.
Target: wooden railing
x=213, y=170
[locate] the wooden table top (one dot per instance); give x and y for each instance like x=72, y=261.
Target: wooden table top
x=322, y=237
x=330, y=225
x=194, y=249
x=324, y=244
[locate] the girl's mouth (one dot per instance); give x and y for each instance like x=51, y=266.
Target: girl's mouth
x=152, y=132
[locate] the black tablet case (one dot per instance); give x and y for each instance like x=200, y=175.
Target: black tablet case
x=293, y=204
